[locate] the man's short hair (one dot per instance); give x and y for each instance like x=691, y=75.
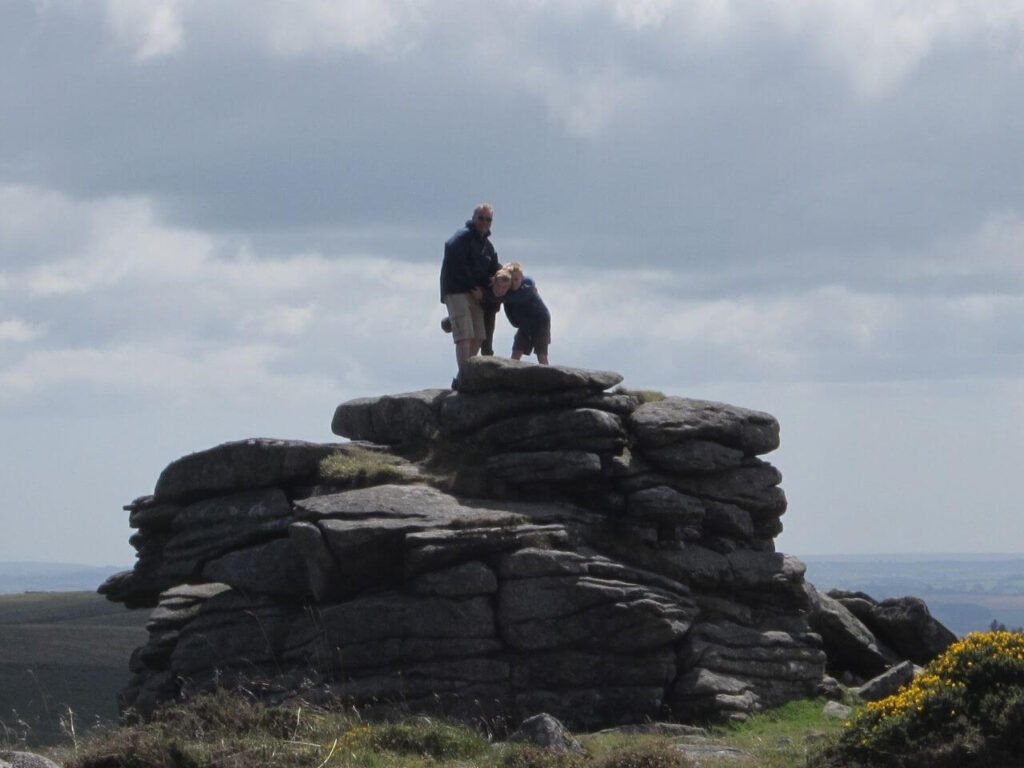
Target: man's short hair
x=484, y=208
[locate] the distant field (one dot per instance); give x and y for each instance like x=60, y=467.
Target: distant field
x=965, y=592
x=969, y=612
x=61, y=650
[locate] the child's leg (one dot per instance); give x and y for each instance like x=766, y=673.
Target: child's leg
x=541, y=340
x=520, y=343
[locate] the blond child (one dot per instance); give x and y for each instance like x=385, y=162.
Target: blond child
x=525, y=310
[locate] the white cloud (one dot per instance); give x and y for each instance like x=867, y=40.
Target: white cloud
x=586, y=104
x=280, y=320
x=992, y=255
x=877, y=44
x=642, y=13
x=187, y=375
x=151, y=28
x=100, y=243
x=319, y=26
x=999, y=244
x=18, y=330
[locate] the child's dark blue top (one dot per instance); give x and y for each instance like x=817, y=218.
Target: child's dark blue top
x=525, y=308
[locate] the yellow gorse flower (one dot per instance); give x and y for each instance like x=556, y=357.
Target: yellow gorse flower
x=949, y=673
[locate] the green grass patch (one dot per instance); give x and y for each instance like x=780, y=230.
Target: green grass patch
x=232, y=729
x=358, y=467
x=425, y=737
x=783, y=737
x=643, y=395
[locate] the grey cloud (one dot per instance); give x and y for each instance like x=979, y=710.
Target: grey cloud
x=748, y=153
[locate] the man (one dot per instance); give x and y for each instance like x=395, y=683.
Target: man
x=469, y=262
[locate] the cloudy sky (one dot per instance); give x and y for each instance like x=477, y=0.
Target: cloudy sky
x=221, y=218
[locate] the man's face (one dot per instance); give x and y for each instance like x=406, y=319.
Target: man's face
x=482, y=222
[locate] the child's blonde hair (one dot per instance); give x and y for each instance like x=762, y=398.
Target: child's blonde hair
x=502, y=275
x=515, y=271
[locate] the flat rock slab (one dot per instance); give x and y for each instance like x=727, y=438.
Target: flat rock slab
x=494, y=374
x=244, y=464
x=405, y=507
x=710, y=754
x=678, y=419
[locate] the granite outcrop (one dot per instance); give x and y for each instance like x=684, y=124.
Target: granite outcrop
x=535, y=542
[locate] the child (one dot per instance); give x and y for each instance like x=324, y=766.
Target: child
x=525, y=310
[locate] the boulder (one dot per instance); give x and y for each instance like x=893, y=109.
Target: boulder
x=849, y=644
x=245, y=464
x=677, y=420
x=887, y=683
x=772, y=665
x=406, y=421
x=274, y=568
x=753, y=487
x=904, y=624
x=664, y=504
x=836, y=710
x=210, y=528
x=534, y=467
x=694, y=457
x=586, y=429
x=546, y=731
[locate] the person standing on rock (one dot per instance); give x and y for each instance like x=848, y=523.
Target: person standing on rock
x=469, y=263
x=527, y=313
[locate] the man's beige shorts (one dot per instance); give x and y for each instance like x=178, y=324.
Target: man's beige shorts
x=467, y=317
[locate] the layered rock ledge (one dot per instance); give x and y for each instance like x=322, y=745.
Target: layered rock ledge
x=533, y=542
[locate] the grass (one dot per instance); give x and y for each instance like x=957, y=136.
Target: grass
x=644, y=395
x=61, y=607
x=62, y=652
x=226, y=729
x=359, y=467
x=783, y=737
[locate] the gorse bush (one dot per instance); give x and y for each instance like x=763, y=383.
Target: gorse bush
x=965, y=709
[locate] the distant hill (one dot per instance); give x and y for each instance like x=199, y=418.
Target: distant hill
x=18, y=577
x=61, y=653
x=965, y=592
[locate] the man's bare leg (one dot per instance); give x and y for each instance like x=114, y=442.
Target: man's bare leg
x=517, y=355
x=464, y=350
x=542, y=359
